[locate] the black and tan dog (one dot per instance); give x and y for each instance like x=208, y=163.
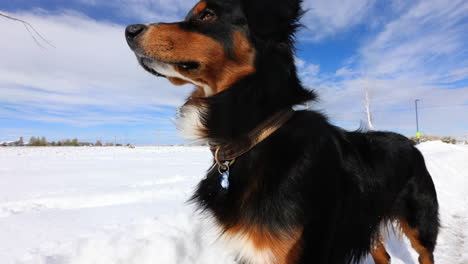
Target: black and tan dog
x=287, y=187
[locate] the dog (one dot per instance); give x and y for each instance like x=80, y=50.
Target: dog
x=286, y=187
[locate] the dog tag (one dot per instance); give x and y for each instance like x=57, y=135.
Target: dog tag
x=224, y=178
x=224, y=175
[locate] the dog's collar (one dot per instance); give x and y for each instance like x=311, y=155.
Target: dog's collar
x=228, y=153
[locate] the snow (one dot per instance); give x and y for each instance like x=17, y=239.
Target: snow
x=118, y=205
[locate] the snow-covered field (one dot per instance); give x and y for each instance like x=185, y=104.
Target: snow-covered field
x=127, y=206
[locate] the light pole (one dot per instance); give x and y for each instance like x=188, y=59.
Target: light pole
x=418, y=134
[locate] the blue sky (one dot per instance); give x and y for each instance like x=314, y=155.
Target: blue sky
x=89, y=84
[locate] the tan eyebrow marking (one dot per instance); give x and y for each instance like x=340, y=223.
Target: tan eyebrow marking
x=199, y=7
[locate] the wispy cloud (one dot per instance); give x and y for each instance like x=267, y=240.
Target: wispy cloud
x=146, y=11
x=428, y=33
x=419, y=54
x=326, y=18
x=90, y=68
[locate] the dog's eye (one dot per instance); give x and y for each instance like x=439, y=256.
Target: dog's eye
x=207, y=16
x=188, y=65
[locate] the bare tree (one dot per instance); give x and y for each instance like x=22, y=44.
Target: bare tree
x=367, y=104
x=35, y=35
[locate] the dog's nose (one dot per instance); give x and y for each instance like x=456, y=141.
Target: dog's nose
x=132, y=31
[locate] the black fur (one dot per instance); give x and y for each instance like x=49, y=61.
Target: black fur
x=338, y=185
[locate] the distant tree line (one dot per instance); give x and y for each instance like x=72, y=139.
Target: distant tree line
x=17, y=143
x=448, y=140
x=42, y=141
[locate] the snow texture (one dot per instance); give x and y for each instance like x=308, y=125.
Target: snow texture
x=128, y=206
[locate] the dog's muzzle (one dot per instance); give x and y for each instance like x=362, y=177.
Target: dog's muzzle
x=132, y=32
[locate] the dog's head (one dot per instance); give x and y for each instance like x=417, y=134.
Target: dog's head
x=218, y=43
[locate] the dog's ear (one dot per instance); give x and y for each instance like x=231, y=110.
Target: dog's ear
x=273, y=19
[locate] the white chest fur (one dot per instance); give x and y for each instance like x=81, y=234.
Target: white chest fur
x=189, y=122
x=244, y=249
x=255, y=245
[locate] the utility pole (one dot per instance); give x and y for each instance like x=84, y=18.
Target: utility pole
x=418, y=134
